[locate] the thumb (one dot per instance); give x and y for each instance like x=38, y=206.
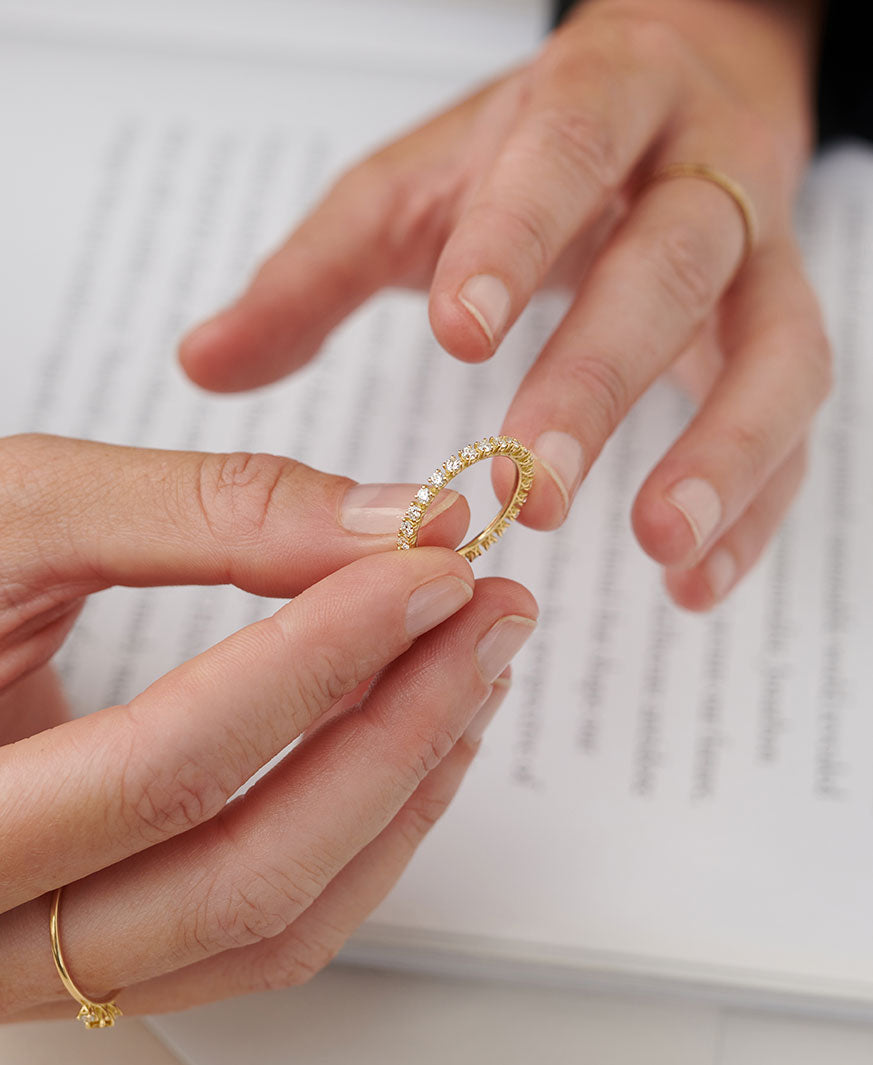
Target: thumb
x=85, y=515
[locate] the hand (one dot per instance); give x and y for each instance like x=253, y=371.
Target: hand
x=174, y=893
x=541, y=176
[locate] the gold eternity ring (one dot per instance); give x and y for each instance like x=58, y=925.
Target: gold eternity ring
x=488, y=448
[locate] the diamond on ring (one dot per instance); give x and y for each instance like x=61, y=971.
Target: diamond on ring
x=485, y=448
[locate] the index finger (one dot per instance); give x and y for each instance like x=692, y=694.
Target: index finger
x=595, y=107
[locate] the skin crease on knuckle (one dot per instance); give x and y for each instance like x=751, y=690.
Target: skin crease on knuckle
x=582, y=143
x=521, y=223
x=751, y=446
x=680, y=262
x=419, y=815
x=329, y=672
x=598, y=378
x=407, y=763
x=235, y=493
x=292, y=967
x=240, y=901
x=161, y=794
x=297, y=959
x=430, y=750
x=28, y=647
x=239, y=914
x=425, y=740
x=571, y=135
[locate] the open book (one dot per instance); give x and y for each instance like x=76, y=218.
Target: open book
x=664, y=799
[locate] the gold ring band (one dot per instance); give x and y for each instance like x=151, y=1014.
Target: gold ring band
x=92, y=1014
x=488, y=448
x=736, y=192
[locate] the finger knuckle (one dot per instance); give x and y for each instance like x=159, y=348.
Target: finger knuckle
x=584, y=141
x=419, y=815
x=246, y=913
x=272, y=899
x=429, y=751
x=524, y=225
x=300, y=957
x=236, y=492
x=215, y=916
x=256, y=904
x=409, y=755
x=422, y=753
x=680, y=259
x=751, y=442
x=159, y=801
x=600, y=388
x=328, y=673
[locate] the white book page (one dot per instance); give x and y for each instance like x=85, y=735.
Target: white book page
x=458, y=36
x=662, y=794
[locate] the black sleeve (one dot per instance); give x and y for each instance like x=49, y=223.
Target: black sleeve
x=845, y=76
x=561, y=9
x=844, y=86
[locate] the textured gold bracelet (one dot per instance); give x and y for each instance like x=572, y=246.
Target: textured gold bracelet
x=487, y=448
x=92, y=1014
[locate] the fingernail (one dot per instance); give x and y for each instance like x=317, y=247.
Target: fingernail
x=720, y=571
x=482, y=718
x=501, y=643
x=699, y=504
x=434, y=602
x=206, y=334
x=561, y=456
x=378, y=509
x=488, y=300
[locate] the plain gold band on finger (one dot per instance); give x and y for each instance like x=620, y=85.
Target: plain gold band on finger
x=736, y=192
x=92, y=1014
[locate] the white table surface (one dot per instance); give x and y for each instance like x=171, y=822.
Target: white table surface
x=372, y=1017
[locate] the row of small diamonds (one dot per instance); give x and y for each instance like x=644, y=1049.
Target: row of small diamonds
x=442, y=475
